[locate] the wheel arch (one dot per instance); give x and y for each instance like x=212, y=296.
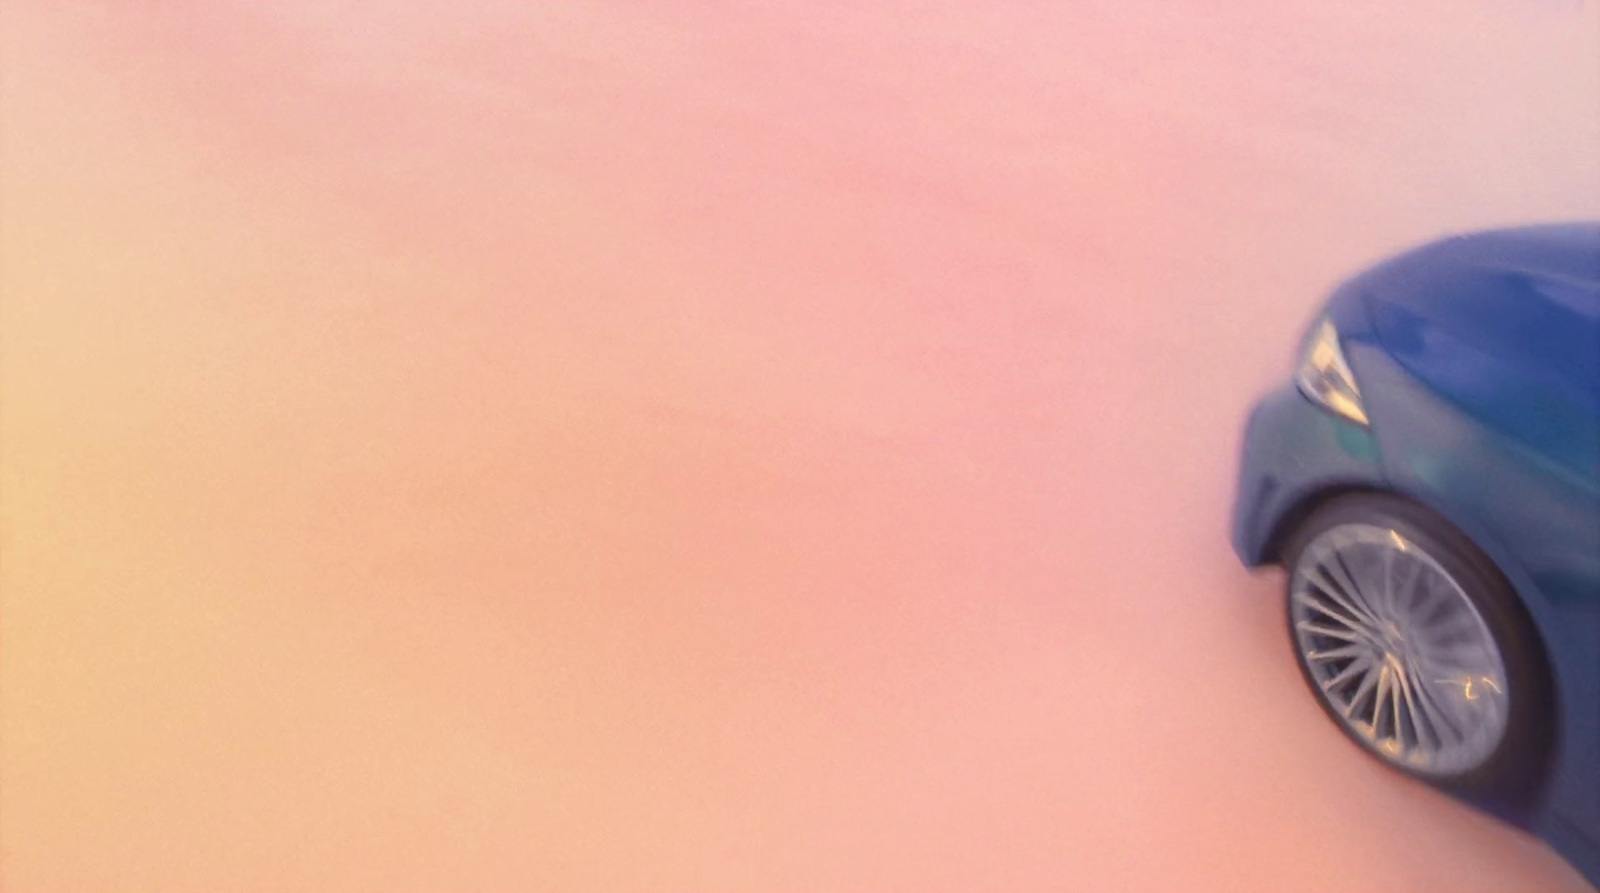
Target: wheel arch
x=1298, y=512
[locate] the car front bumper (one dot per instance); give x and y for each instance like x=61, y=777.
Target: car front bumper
x=1294, y=451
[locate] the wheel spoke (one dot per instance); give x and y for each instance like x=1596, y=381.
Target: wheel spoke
x=1318, y=629
x=1449, y=619
x=1305, y=598
x=1395, y=692
x=1332, y=592
x=1388, y=580
x=1377, y=698
x=1363, y=587
x=1358, y=666
x=1412, y=711
x=1367, y=683
x=1341, y=576
x=1433, y=607
x=1410, y=589
x=1341, y=653
x=1438, y=717
x=1458, y=661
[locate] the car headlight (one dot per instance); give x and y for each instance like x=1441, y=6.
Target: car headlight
x=1325, y=378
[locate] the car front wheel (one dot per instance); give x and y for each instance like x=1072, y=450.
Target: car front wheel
x=1416, y=646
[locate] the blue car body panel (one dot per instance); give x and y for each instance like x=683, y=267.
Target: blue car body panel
x=1478, y=358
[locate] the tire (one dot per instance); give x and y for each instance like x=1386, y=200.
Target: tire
x=1413, y=734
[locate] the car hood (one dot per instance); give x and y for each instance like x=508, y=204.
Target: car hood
x=1527, y=298
x=1504, y=323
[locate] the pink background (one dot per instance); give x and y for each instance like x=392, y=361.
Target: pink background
x=765, y=446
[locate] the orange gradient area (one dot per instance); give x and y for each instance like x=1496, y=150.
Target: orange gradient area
x=704, y=447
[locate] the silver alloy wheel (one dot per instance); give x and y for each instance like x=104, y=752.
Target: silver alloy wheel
x=1398, y=650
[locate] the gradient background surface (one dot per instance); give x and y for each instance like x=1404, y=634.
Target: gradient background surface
x=690, y=446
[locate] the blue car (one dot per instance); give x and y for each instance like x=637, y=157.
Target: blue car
x=1430, y=482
